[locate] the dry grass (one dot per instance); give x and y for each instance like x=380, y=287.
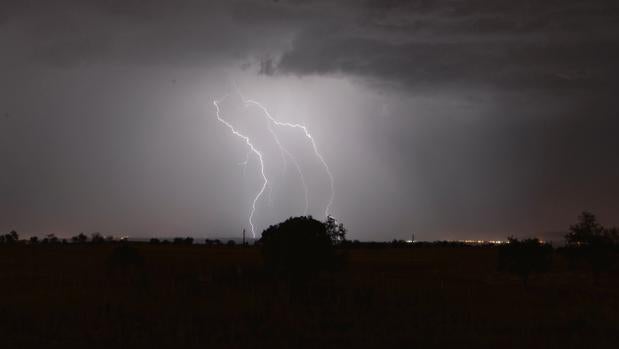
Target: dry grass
x=197, y=296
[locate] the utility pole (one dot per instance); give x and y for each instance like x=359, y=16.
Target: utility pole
x=243, y=236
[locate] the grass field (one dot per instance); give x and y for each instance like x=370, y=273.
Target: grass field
x=197, y=296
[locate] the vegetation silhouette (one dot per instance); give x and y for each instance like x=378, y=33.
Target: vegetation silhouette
x=183, y=241
x=81, y=238
x=523, y=257
x=136, y=294
x=50, y=239
x=589, y=241
x=9, y=238
x=301, y=247
x=97, y=238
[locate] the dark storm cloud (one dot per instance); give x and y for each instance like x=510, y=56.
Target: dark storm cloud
x=413, y=42
x=505, y=44
x=71, y=32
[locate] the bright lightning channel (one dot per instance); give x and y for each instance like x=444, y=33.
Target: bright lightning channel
x=265, y=181
x=314, y=146
x=282, y=150
x=285, y=153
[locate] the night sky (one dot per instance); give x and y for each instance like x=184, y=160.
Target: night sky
x=450, y=119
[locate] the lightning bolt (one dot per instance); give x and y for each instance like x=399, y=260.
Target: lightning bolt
x=265, y=181
x=283, y=152
x=314, y=147
x=286, y=154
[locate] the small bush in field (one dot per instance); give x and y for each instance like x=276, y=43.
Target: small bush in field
x=523, y=257
x=588, y=240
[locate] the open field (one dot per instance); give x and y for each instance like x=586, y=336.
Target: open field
x=198, y=296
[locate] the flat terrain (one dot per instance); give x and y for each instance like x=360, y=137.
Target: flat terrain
x=197, y=296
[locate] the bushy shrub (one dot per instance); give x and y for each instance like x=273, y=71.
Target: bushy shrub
x=523, y=257
x=298, y=247
x=588, y=240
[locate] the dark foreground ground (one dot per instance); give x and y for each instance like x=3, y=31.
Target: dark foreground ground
x=196, y=296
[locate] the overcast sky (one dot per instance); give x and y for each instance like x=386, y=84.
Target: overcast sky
x=449, y=119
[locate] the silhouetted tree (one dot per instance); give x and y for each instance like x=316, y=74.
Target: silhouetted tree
x=298, y=247
x=231, y=243
x=210, y=242
x=183, y=241
x=155, y=241
x=590, y=241
x=50, y=239
x=34, y=240
x=399, y=243
x=10, y=238
x=523, y=257
x=585, y=231
x=96, y=238
x=79, y=239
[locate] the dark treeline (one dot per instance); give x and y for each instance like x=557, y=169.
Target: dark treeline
x=305, y=285
x=588, y=244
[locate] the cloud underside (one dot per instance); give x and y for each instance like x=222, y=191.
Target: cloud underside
x=549, y=44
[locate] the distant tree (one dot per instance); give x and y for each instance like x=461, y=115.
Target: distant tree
x=523, y=257
x=79, y=239
x=298, y=247
x=183, y=241
x=335, y=230
x=10, y=238
x=586, y=231
x=50, y=239
x=590, y=241
x=96, y=238
x=231, y=243
x=155, y=241
x=211, y=242
x=398, y=243
x=34, y=240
